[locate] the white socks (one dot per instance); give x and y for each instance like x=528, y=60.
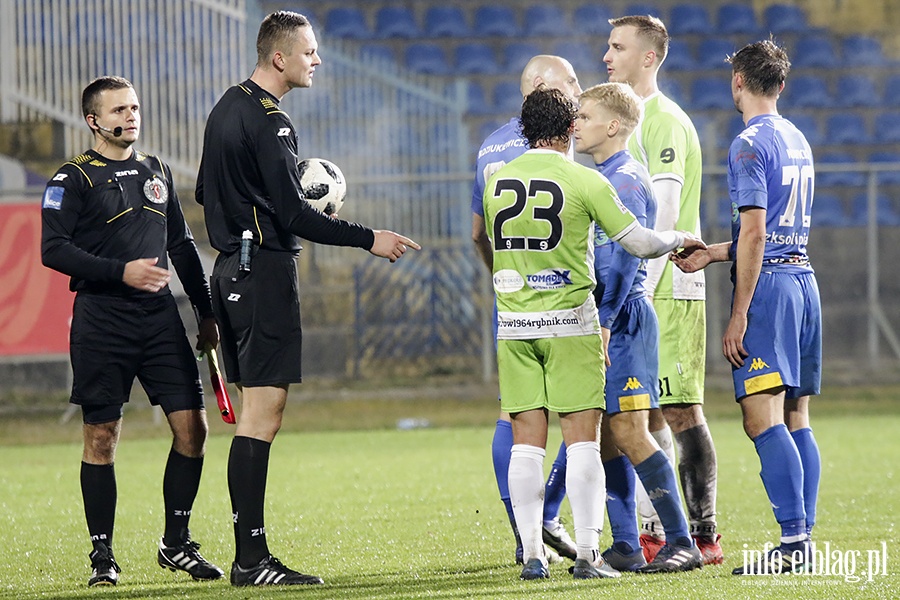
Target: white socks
x=650, y=522
x=586, y=488
x=526, y=492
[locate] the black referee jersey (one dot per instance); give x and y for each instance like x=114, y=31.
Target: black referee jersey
x=98, y=214
x=249, y=180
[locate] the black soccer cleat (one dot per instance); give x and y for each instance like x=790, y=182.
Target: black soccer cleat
x=104, y=570
x=674, y=558
x=186, y=557
x=270, y=571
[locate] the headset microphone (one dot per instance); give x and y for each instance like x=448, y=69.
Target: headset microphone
x=117, y=132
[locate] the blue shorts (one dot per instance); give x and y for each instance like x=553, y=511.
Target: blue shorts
x=631, y=378
x=783, y=338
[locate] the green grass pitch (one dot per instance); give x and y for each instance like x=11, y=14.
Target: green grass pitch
x=415, y=514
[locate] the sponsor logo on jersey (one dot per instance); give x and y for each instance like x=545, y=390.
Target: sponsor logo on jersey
x=631, y=169
x=59, y=177
x=748, y=134
x=126, y=173
x=155, y=190
x=97, y=163
x=507, y=280
x=284, y=132
x=758, y=364
x=232, y=297
x=53, y=196
x=632, y=384
x=549, y=279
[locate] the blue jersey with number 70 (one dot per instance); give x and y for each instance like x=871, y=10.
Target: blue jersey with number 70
x=770, y=166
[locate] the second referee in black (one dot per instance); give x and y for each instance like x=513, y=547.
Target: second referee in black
x=249, y=181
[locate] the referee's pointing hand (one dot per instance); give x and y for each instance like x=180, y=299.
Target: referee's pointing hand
x=391, y=245
x=142, y=274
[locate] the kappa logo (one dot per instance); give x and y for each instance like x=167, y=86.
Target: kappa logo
x=284, y=132
x=232, y=297
x=757, y=365
x=658, y=493
x=632, y=384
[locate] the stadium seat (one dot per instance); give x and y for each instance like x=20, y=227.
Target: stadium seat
x=856, y=90
x=736, y=18
x=378, y=52
x=711, y=92
x=639, y=8
x=508, y=98
x=493, y=20
x=887, y=127
x=815, y=51
x=886, y=214
x=592, y=19
x=679, y=57
x=838, y=178
x=396, y=22
x=891, y=177
x=734, y=127
x=545, y=20
x=517, y=54
x=808, y=126
x=674, y=90
x=427, y=58
x=863, y=51
x=892, y=91
x=846, y=128
x=689, y=18
x=827, y=211
x=785, y=18
x=486, y=128
x=705, y=126
x=347, y=23
x=476, y=100
x=446, y=21
x=476, y=57
x=712, y=52
x=806, y=91
x=581, y=55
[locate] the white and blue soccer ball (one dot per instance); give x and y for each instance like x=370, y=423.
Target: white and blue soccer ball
x=323, y=184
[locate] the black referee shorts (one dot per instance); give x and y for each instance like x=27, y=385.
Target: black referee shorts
x=259, y=318
x=114, y=339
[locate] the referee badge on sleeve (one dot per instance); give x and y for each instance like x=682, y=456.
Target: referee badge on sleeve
x=155, y=190
x=53, y=196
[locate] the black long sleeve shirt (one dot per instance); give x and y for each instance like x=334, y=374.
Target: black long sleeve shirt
x=249, y=180
x=98, y=214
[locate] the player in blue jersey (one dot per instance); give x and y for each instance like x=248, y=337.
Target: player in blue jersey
x=500, y=147
x=773, y=339
x=606, y=118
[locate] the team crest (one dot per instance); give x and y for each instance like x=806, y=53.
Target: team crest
x=155, y=190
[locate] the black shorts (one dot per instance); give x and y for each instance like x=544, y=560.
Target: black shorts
x=259, y=318
x=113, y=340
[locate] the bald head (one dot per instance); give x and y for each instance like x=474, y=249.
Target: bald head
x=553, y=72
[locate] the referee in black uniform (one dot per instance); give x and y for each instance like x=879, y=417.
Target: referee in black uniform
x=110, y=217
x=249, y=182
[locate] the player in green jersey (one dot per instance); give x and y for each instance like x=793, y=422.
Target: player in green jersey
x=667, y=143
x=539, y=212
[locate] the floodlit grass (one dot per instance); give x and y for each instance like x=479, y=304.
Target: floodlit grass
x=382, y=513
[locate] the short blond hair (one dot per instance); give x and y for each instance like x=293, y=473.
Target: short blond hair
x=649, y=28
x=618, y=98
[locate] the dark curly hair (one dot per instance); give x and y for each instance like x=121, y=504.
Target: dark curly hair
x=547, y=116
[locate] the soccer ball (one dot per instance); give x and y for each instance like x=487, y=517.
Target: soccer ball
x=323, y=184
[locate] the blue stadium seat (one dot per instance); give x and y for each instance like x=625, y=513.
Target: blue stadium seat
x=674, y=90
x=827, y=211
x=592, y=19
x=476, y=57
x=377, y=51
x=733, y=128
x=689, y=18
x=847, y=128
x=347, y=23
x=446, y=21
x=808, y=126
x=581, y=55
x=680, y=57
x=806, y=91
x=396, y=21
x=857, y=90
x=892, y=91
x=517, y=54
x=427, y=58
x=887, y=127
x=887, y=177
x=886, y=214
x=545, y=20
x=711, y=92
x=862, y=50
x=736, y=18
x=838, y=178
x=785, y=18
x=639, y=8
x=705, y=126
x=712, y=52
x=815, y=51
x=486, y=128
x=476, y=100
x=495, y=21
x=508, y=97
